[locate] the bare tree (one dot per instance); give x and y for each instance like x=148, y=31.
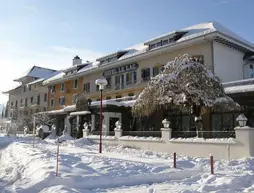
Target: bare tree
x=184, y=82
x=44, y=118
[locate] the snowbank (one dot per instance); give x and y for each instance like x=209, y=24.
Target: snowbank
x=118, y=169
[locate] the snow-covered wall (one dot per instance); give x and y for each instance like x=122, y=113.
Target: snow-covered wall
x=228, y=63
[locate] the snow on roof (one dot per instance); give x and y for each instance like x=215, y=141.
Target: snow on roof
x=80, y=113
x=37, y=72
x=45, y=78
x=90, y=66
x=54, y=78
x=12, y=89
x=209, y=27
x=239, y=89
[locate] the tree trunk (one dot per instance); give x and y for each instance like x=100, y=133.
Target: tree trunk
x=196, y=110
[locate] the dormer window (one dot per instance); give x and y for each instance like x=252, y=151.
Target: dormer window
x=164, y=40
x=111, y=57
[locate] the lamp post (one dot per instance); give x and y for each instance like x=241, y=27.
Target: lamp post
x=101, y=83
x=242, y=120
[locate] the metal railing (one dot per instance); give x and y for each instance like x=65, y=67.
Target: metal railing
x=203, y=134
x=104, y=133
x=142, y=133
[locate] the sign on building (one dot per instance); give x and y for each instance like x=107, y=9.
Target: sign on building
x=120, y=70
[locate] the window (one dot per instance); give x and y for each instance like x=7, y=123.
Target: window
x=51, y=102
x=108, y=98
x=74, y=98
x=32, y=100
x=86, y=87
x=145, y=74
x=53, y=89
x=119, y=82
x=152, y=46
x=21, y=101
x=164, y=42
x=76, y=83
x=251, y=71
x=24, y=89
x=158, y=44
x=109, y=82
x=199, y=58
x=45, y=97
x=26, y=102
x=157, y=70
x=131, y=78
x=62, y=87
x=38, y=100
x=30, y=87
x=61, y=101
x=97, y=87
x=98, y=99
x=131, y=94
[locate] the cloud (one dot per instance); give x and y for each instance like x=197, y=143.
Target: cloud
x=15, y=60
x=226, y=1
x=31, y=8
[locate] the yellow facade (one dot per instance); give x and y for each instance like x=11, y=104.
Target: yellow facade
x=153, y=60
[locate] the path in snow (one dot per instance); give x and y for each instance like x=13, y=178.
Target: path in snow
x=119, y=169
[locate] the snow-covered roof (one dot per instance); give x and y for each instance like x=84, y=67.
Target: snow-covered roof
x=188, y=33
x=54, y=78
x=37, y=72
x=80, y=113
x=239, y=89
x=45, y=78
x=12, y=89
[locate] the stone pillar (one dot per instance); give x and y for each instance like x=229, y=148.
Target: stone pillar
x=245, y=135
x=85, y=130
x=166, y=134
x=118, y=130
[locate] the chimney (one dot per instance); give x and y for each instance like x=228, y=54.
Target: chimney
x=76, y=60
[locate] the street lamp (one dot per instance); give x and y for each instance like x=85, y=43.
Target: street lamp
x=101, y=83
x=166, y=123
x=242, y=120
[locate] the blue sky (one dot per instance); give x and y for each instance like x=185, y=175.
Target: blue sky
x=50, y=32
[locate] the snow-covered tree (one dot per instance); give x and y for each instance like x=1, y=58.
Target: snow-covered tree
x=44, y=118
x=184, y=82
x=25, y=119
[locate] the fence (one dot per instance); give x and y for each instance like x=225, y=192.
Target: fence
x=111, y=133
x=142, y=133
x=203, y=134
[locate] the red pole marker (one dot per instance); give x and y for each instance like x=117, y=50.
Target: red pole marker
x=211, y=164
x=174, y=159
x=57, y=156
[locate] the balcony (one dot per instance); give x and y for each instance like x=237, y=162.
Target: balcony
x=35, y=104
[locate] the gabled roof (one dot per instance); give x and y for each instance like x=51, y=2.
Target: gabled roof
x=36, y=72
x=40, y=80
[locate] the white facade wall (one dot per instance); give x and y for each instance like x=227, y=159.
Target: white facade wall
x=228, y=63
x=20, y=94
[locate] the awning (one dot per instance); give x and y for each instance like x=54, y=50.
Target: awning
x=80, y=113
x=239, y=89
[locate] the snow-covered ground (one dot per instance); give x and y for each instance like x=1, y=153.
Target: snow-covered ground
x=30, y=169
